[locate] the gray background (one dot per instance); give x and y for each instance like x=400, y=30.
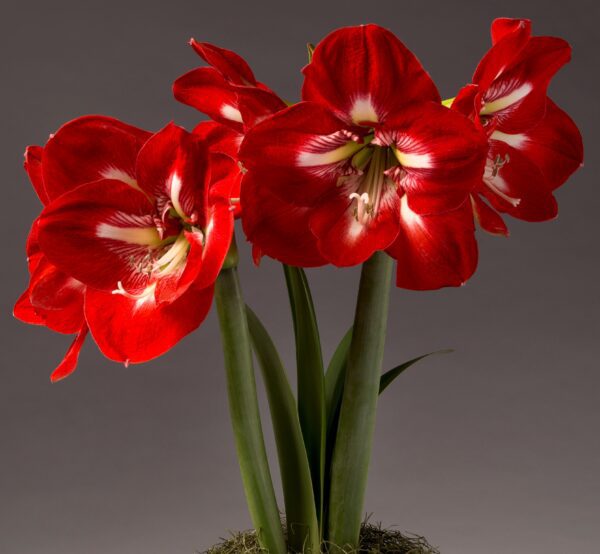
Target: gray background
x=491, y=450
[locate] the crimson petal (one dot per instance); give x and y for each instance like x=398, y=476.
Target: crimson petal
x=129, y=330
x=209, y=92
x=101, y=233
x=365, y=74
x=434, y=251
x=90, y=148
x=69, y=362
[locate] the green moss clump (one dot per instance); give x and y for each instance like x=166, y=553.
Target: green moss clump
x=373, y=540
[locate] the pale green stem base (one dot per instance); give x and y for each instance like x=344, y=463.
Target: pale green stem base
x=245, y=416
x=353, y=444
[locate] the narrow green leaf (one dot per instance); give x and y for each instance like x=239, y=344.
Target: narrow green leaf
x=390, y=375
x=334, y=387
x=334, y=377
x=301, y=515
x=310, y=375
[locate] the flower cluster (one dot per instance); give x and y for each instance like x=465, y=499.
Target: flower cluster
x=136, y=225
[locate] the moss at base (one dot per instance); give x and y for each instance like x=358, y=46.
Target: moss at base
x=373, y=539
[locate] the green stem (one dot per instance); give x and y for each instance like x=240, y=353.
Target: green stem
x=352, y=450
x=245, y=416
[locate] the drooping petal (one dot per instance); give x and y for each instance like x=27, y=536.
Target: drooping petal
x=33, y=166
x=346, y=239
x=434, y=251
x=365, y=74
x=554, y=145
x=276, y=228
x=489, y=219
x=52, y=298
x=69, y=362
x=517, y=97
x=441, y=152
x=90, y=148
x=134, y=331
x=299, y=149
x=172, y=167
x=513, y=184
x=210, y=93
x=231, y=66
x=101, y=234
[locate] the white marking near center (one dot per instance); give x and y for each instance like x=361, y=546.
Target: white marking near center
x=363, y=110
x=143, y=236
x=114, y=173
x=229, y=112
x=505, y=101
x=516, y=141
x=174, y=188
x=410, y=218
x=409, y=159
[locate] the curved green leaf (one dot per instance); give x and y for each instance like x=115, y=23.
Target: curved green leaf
x=390, y=375
x=301, y=515
x=310, y=375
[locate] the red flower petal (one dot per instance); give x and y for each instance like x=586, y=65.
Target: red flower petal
x=503, y=26
x=173, y=168
x=33, y=166
x=434, y=251
x=513, y=184
x=344, y=240
x=365, y=74
x=488, y=218
x=509, y=36
x=232, y=66
x=277, y=228
x=101, y=233
x=554, y=145
x=88, y=149
x=517, y=97
x=128, y=330
x=69, y=362
x=219, y=138
x=441, y=152
x=297, y=149
x=209, y=92
x=256, y=104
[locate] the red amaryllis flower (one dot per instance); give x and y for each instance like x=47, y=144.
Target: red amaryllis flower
x=534, y=146
x=375, y=159
x=144, y=233
x=229, y=93
x=54, y=298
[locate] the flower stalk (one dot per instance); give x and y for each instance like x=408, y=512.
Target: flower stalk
x=244, y=411
x=352, y=451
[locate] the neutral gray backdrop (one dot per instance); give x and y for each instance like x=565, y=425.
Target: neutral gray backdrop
x=491, y=450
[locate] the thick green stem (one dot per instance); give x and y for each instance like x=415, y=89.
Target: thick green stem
x=245, y=416
x=352, y=450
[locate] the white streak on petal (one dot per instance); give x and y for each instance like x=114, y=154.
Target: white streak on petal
x=114, y=173
x=312, y=159
x=143, y=236
x=409, y=159
x=174, y=188
x=505, y=101
x=516, y=141
x=410, y=218
x=363, y=110
x=231, y=113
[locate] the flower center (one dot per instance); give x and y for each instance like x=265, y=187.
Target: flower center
x=370, y=174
